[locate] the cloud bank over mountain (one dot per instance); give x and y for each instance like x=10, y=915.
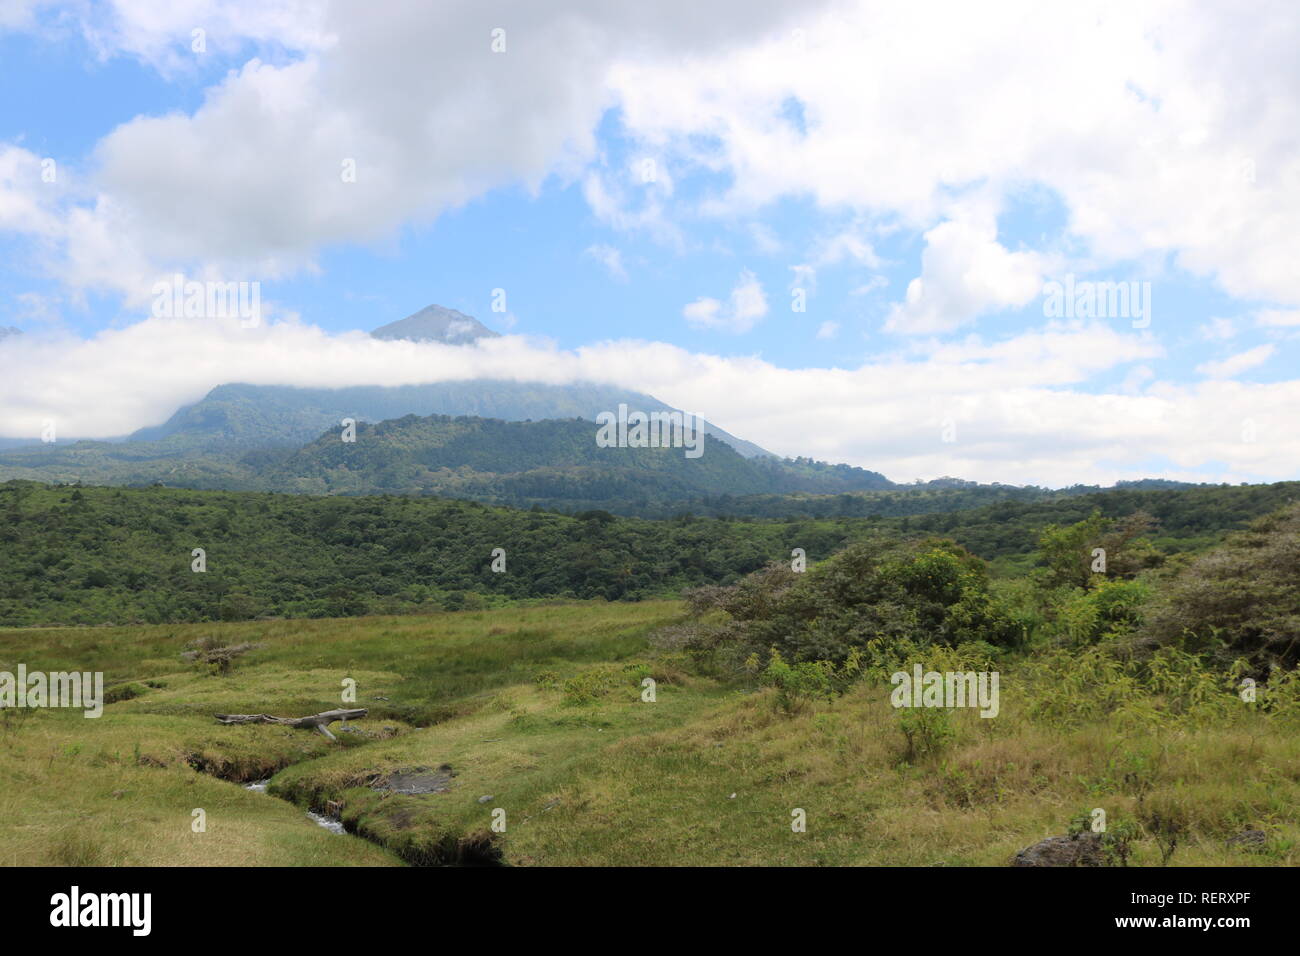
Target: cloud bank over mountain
x=840, y=135
x=995, y=400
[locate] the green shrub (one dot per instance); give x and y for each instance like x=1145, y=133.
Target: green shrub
x=918, y=593
x=1240, y=600
x=594, y=683
x=797, y=685
x=1108, y=610
x=926, y=731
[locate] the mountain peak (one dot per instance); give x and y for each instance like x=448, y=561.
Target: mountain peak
x=435, y=323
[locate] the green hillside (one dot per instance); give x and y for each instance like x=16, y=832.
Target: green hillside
x=201, y=444
x=551, y=463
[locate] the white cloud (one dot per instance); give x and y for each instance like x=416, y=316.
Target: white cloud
x=828, y=330
x=1138, y=377
x=251, y=184
x=1131, y=114
x=848, y=244
x=871, y=285
x=765, y=238
x=27, y=203
x=746, y=305
x=160, y=32
x=703, y=312
x=844, y=245
x=1020, y=407
x=1218, y=330
x=624, y=202
x=1278, y=318
x=1128, y=113
x=965, y=272
x=1236, y=364
x=19, y=14
x=610, y=258
x=805, y=277
x=35, y=307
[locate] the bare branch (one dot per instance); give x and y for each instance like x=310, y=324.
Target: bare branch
x=318, y=722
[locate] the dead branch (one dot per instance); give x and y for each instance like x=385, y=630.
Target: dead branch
x=319, y=722
x=210, y=651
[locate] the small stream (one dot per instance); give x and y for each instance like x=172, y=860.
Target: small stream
x=476, y=850
x=334, y=826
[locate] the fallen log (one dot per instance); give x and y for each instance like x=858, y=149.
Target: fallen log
x=319, y=722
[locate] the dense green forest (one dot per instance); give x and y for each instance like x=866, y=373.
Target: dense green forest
x=930, y=497
x=92, y=555
x=1185, y=519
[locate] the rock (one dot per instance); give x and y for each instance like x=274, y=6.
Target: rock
x=413, y=780
x=1249, y=840
x=485, y=798
x=1081, y=849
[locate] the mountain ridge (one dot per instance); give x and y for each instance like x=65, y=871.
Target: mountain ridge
x=246, y=415
x=550, y=463
x=436, y=323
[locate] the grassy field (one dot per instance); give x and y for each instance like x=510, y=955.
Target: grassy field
x=541, y=710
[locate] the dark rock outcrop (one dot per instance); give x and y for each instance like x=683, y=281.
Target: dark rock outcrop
x=1080, y=849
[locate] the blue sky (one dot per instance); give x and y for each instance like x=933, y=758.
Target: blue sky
x=664, y=193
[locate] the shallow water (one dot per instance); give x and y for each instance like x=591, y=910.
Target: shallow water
x=334, y=826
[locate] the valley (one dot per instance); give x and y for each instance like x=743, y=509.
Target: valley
x=541, y=711
x=738, y=712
